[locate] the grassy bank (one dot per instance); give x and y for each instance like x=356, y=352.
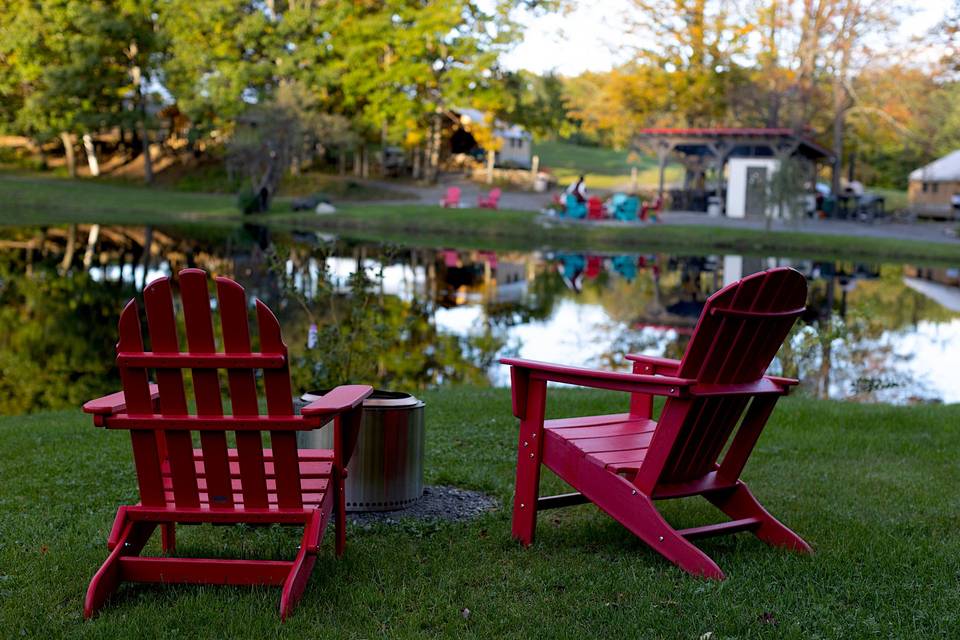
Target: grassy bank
x=32, y=200
x=871, y=487
x=520, y=230
x=604, y=168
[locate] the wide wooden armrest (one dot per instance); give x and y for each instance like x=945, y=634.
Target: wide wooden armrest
x=617, y=381
x=116, y=403
x=657, y=365
x=764, y=386
x=343, y=398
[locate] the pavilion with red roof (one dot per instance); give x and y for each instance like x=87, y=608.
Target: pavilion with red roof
x=703, y=150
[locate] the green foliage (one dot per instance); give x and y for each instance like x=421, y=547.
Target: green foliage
x=537, y=103
x=57, y=336
x=359, y=335
x=68, y=64
x=786, y=189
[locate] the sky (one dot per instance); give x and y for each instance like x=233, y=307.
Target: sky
x=591, y=37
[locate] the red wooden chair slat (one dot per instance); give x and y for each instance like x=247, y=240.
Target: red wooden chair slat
x=148, y=447
x=276, y=384
x=243, y=389
x=206, y=386
x=161, y=324
x=214, y=483
x=718, y=400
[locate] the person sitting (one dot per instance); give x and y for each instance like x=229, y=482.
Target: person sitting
x=578, y=190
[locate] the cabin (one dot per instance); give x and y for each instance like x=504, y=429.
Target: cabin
x=934, y=190
x=515, y=143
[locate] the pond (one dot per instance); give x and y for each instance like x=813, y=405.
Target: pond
x=430, y=316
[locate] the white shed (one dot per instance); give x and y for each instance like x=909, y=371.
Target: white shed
x=747, y=187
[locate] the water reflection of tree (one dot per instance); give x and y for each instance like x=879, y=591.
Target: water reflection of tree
x=57, y=335
x=363, y=335
x=847, y=344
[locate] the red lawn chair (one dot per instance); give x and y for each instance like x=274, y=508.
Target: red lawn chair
x=249, y=484
x=624, y=462
x=595, y=208
x=491, y=201
x=452, y=198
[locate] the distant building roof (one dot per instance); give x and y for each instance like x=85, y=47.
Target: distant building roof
x=945, y=169
x=696, y=140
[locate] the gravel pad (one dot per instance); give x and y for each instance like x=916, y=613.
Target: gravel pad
x=437, y=503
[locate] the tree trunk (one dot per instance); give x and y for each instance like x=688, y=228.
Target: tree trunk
x=433, y=167
x=416, y=169
x=91, y=246
x=342, y=161
x=838, y=118
x=68, y=153
x=70, y=250
x=91, y=152
x=147, y=160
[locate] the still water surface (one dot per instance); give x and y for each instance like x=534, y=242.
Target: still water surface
x=873, y=332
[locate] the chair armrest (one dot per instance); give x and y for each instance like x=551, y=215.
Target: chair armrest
x=616, y=381
x=767, y=385
x=116, y=403
x=343, y=398
x=656, y=365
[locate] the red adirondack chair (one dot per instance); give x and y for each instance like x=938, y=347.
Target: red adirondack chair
x=452, y=198
x=595, y=208
x=624, y=462
x=249, y=484
x=491, y=201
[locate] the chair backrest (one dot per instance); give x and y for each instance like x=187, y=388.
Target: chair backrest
x=740, y=330
x=494, y=196
x=453, y=194
x=168, y=471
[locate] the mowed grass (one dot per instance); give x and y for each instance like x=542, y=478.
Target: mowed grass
x=604, y=168
x=29, y=199
x=872, y=488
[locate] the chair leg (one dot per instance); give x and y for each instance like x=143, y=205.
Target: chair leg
x=740, y=503
x=341, y=507
x=637, y=512
x=168, y=532
x=105, y=581
x=296, y=582
x=529, y=457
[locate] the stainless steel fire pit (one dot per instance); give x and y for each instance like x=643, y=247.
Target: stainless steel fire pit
x=386, y=471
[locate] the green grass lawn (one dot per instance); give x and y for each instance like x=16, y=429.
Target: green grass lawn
x=604, y=168
x=31, y=199
x=872, y=488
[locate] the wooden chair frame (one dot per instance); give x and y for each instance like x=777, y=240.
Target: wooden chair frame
x=679, y=455
x=215, y=484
